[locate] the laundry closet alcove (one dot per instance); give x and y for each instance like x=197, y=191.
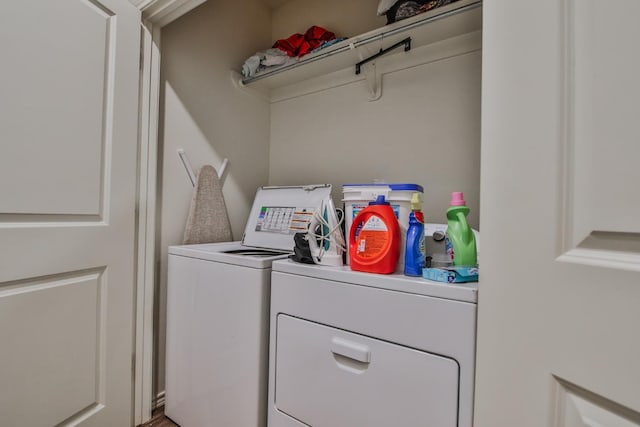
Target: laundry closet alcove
x=315, y=123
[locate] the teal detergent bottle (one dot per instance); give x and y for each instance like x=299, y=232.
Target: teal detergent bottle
x=460, y=242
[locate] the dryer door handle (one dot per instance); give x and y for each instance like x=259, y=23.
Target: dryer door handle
x=350, y=349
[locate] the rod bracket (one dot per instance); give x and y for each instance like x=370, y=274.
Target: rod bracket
x=407, y=47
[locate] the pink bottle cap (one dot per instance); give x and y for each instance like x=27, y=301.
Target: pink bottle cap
x=457, y=199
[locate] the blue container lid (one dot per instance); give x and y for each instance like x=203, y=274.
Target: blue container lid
x=393, y=187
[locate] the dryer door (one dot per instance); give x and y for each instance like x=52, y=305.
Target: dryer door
x=330, y=377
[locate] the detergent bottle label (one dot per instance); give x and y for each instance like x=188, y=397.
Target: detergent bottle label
x=449, y=248
x=375, y=224
x=373, y=238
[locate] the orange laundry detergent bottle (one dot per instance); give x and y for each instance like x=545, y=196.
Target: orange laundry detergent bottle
x=374, y=239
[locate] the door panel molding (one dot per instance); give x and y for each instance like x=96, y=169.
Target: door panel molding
x=40, y=112
x=62, y=316
x=575, y=406
x=48, y=220
x=598, y=220
x=102, y=8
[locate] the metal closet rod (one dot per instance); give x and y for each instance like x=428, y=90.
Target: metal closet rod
x=368, y=40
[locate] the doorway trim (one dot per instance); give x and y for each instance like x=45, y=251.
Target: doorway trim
x=155, y=15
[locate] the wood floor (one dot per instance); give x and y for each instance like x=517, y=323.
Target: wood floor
x=159, y=420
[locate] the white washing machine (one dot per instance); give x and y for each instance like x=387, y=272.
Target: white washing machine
x=367, y=350
x=218, y=314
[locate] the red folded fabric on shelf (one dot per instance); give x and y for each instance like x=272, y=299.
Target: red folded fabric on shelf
x=299, y=45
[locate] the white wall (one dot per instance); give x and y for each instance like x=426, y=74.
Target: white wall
x=425, y=129
x=204, y=114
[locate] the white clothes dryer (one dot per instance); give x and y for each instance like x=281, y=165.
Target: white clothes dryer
x=368, y=350
x=218, y=313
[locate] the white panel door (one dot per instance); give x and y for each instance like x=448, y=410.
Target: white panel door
x=68, y=149
x=559, y=296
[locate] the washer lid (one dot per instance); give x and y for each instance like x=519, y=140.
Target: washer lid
x=280, y=212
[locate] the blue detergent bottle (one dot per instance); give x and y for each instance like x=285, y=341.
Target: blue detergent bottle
x=414, y=255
